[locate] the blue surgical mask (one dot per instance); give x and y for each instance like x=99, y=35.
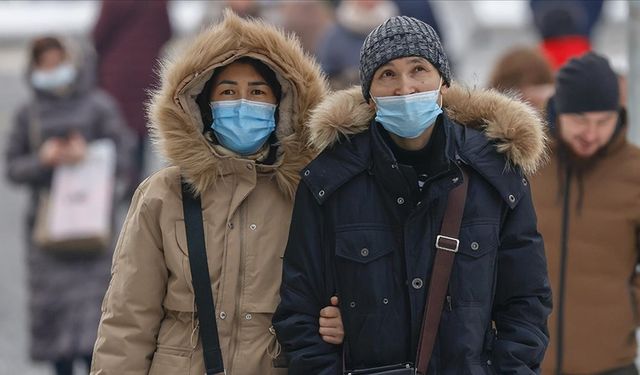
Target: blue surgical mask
x=408, y=116
x=51, y=80
x=243, y=125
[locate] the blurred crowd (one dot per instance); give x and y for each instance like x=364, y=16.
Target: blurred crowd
x=99, y=88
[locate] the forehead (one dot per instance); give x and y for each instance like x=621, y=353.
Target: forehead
x=238, y=71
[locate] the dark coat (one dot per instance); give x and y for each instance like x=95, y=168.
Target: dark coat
x=128, y=37
x=362, y=229
x=64, y=294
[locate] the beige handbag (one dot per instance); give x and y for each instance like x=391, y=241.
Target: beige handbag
x=75, y=214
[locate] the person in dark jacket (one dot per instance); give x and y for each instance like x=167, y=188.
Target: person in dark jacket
x=128, y=37
x=52, y=129
x=588, y=200
x=370, y=206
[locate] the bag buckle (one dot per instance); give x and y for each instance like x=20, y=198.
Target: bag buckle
x=447, y=243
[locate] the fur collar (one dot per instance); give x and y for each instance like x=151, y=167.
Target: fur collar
x=518, y=130
x=175, y=121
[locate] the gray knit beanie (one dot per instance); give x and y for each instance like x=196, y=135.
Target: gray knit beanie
x=401, y=36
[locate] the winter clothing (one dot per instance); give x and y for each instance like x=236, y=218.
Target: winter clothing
x=64, y=293
x=362, y=229
x=586, y=84
x=565, y=27
x=401, y=36
x=128, y=37
x=592, y=262
x=149, y=323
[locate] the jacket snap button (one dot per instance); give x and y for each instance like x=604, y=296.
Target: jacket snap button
x=249, y=166
x=394, y=166
x=223, y=315
x=253, y=226
x=454, y=180
x=475, y=246
x=385, y=301
x=321, y=193
x=524, y=182
x=400, y=200
x=512, y=198
x=230, y=225
x=248, y=317
x=352, y=304
x=364, y=252
x=307, y=172
x=489, y=362
x=416, y=283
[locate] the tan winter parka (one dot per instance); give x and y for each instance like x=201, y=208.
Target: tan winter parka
x=149, y=323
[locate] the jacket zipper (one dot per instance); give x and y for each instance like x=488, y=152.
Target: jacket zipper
x=239, y=296
x=563, y=270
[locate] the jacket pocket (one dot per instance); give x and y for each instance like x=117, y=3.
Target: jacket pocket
x=364, y=244
x=473, y=272
x=170, y=361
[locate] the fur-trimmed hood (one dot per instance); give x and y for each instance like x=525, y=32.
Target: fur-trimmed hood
x=175, y=120
x=516, y=128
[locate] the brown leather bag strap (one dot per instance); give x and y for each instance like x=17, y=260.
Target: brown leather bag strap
x=446, y=248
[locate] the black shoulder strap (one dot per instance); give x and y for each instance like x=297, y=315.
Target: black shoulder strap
x=201, y=282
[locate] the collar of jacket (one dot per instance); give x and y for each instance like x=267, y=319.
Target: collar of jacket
x=501, y=138
x=384, y=164
x=175, y=122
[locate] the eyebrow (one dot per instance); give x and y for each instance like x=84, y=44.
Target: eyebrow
x=417, y=60
x=253, y=83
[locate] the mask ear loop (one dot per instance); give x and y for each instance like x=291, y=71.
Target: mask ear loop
x=440, y=92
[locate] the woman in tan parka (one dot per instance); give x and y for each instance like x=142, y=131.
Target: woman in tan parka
x=149, y=324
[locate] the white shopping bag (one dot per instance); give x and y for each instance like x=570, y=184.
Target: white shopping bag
x=80, y=204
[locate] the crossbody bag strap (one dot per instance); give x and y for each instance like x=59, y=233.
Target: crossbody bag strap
x=194, y=228
x=446, y=245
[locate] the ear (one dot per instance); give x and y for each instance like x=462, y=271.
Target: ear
x=372, y=104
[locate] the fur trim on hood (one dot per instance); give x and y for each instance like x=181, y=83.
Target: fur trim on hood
x=175, y=121
x=518, y=130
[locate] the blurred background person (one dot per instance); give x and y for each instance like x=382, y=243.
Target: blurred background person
x=524, y=71
x=309, y=20
x=565, y=27
x=53, y=128
x=588, y=204
x=128, y=37
x=339, y=48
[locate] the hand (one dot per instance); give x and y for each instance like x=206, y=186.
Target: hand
x=50, y=152
x=331, y=327
x=75, y=149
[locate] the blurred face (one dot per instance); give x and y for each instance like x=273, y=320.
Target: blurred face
x=241, y=81
x=404, y=76
x=50, y=59
x=587, y=132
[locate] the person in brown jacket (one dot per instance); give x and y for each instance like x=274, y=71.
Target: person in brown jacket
x=588, y=204
x=229, y=118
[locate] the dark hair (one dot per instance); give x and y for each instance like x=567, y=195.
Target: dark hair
x=204, y=98
x=41, y=45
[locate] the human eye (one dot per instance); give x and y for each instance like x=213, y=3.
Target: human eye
x=387, y=73
x=258, y=92
x=227, y=92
